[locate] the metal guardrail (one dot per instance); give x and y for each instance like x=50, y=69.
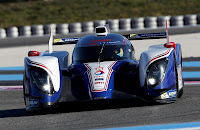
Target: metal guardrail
x=124, y=24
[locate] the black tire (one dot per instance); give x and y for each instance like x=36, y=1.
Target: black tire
x=176, y=75
x=180, y=93
x=24, y=90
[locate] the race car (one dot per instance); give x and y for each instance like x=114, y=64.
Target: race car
x=103, y=67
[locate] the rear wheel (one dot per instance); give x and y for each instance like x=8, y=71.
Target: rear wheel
x=24, y=89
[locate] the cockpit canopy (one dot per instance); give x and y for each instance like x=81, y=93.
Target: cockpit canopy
x=94, y=48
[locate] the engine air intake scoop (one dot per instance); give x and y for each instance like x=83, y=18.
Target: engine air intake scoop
x=101, y=31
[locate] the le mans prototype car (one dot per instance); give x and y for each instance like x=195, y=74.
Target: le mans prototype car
x=103, y=67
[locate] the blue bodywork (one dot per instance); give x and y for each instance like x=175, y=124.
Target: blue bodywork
x=74, y=82
x=128, y=80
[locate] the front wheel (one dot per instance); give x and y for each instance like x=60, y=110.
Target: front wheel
x=180, y=93
x=179, y=77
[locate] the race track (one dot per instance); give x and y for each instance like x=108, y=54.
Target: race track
x=99, y=114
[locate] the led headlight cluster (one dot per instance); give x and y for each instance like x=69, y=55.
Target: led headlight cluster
x=42, y=80
x=156, y=72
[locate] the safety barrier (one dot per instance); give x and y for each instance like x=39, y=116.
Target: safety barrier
x=75, y=28
x=113, y=24
x=137, y=23
x=161, y=21
x=150, y=22
x=49, y=27
x=63, y=28
x=124, y=24
x=37, y=30
x=25, y=31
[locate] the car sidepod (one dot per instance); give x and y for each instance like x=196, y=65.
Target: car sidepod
x=159, y=74
x=42, y=82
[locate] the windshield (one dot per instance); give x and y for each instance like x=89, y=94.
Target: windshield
x=109, y=53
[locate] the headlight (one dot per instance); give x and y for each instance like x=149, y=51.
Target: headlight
x=41, y=80
x=156, y=72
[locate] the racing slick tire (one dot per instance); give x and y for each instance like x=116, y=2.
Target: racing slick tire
x=180, y=92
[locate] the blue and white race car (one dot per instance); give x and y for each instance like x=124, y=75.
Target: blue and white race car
x=103, y=67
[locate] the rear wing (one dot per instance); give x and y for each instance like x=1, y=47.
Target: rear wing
x=63, y=41
x=141, y=36
x=146, y=36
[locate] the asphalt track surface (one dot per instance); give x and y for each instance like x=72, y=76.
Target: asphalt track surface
x=98, y=114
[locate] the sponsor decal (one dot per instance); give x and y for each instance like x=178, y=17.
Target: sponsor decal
x=99, y=79
x=89, y=44
x=168, y=94
x=101, y=40
x=164, y=95
x=70, y=39
x=99, y=71
x=124, y=42
x=152, y=34
x=99, y=82
x=120, y=53
x=99, y=76
x=114, y=42
x=56, y=40
x=33, y=102
x=132, y=35
x=172, y=93
x=66, y=40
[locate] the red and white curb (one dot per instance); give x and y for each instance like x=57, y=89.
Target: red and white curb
x=10, y=87
x=191, y=82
